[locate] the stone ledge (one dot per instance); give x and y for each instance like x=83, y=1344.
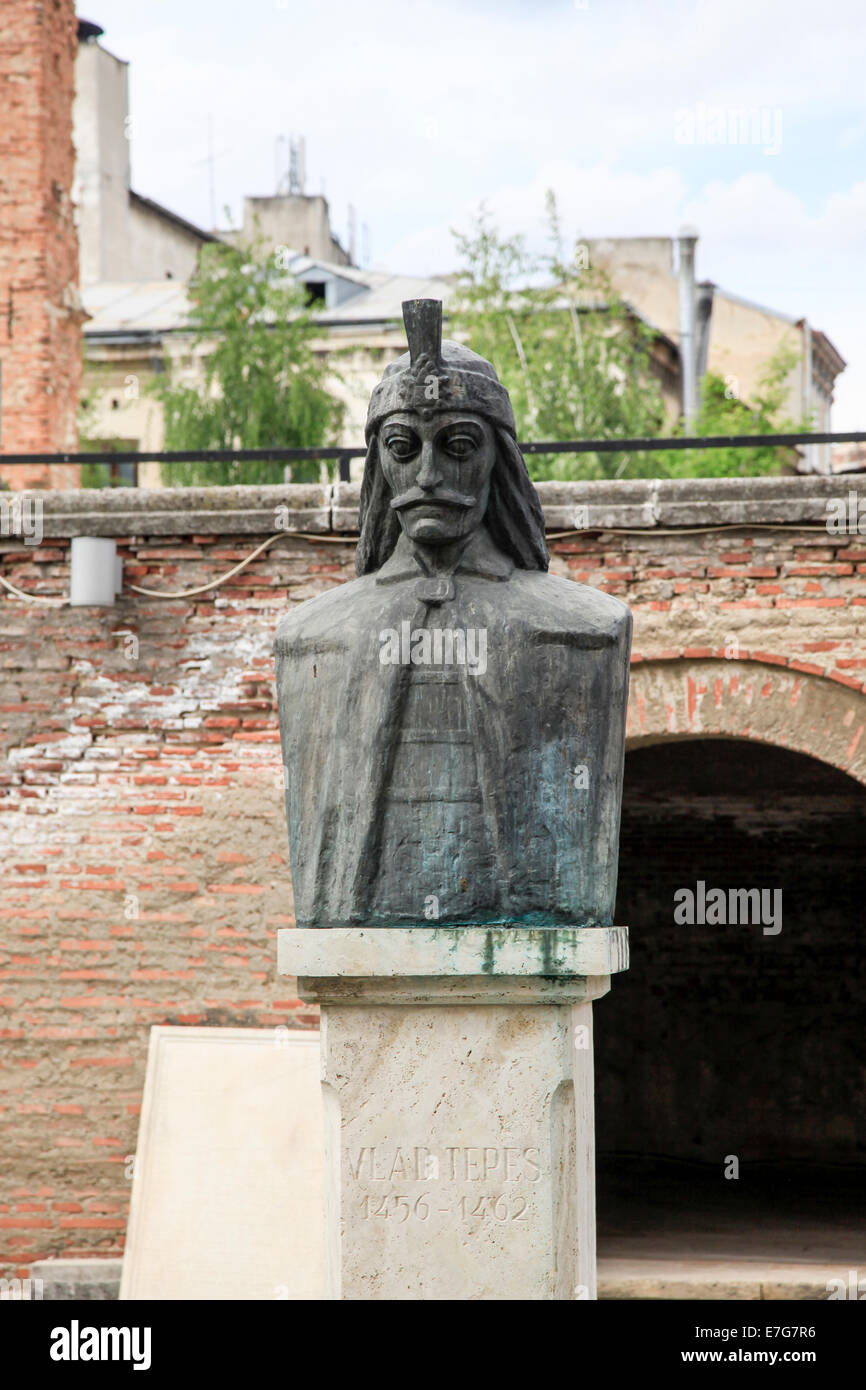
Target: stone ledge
x=619, y=1279
x=644, y=504
x=355, y=954
x=64, y=1279
x=649, y=1279
x=174, y=511
x=437, y=991
x=663, y=503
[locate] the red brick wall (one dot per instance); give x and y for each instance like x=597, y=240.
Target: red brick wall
x=788, y=598
x=40, y=334
x=141, y=814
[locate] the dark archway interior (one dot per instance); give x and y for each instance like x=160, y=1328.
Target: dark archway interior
x=725, y=1042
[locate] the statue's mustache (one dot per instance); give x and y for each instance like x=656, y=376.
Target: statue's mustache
x=416, y=496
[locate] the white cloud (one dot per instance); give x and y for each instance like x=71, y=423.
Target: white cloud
x=591, y=202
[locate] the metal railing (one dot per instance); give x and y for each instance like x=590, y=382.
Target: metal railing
x=343, y=455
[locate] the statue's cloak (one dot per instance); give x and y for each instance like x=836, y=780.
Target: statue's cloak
x=547, y=720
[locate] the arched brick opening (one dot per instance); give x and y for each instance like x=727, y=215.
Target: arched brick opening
x=723, y=1040
x=767, y=701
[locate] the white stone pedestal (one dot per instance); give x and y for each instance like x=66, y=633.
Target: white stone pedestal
x=457, y=1079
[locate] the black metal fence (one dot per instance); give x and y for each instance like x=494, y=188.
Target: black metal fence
x=120, y=460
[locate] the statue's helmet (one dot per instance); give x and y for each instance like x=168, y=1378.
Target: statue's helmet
x=430, y=378
x=435, y=376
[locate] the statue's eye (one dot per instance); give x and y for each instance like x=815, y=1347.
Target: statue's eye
x=460, y=446
x=401, y=446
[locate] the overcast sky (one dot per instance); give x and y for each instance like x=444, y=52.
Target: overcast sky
x=414, y=111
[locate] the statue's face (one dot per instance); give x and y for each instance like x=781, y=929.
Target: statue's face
x=438, y=471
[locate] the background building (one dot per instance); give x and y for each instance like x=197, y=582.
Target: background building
x=123, y=236
x=734, y=337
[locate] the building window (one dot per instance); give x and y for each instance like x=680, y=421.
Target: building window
x=111, y=473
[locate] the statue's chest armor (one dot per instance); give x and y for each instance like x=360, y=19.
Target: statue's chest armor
x=434, y=841
x=434, y=760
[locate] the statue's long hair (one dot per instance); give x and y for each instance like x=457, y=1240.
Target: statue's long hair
x=514, y=517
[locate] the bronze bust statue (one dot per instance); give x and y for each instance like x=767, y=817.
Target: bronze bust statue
x=452, y=720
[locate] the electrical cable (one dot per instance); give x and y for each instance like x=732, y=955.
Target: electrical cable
x=348, y=537
x=203, y=588
x=694, y=530
x=34, y=598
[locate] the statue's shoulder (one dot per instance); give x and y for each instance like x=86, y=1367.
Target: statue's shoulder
x=324, y=616
x=564, y=603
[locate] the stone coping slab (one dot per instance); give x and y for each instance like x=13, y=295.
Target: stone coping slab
x=169, y=511
x=332, y=508
x=368, y=953
x=647, y=504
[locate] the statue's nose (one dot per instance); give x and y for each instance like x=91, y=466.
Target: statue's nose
x=430, y=474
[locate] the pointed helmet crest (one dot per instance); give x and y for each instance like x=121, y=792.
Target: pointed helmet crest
x=435, y=375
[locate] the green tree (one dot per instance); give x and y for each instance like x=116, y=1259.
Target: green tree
x=264, y=386
x=574, y=359
x=722, y=412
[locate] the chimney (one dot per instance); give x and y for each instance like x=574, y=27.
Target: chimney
x=686, y=241
x=704, y=295
x=102, y=134
x=40, y=310
x=351, y=238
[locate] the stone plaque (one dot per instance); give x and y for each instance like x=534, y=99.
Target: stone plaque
x=227, y=1189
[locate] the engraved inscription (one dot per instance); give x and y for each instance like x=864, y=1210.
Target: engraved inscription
x=460, y=1163
x=387, y=1177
